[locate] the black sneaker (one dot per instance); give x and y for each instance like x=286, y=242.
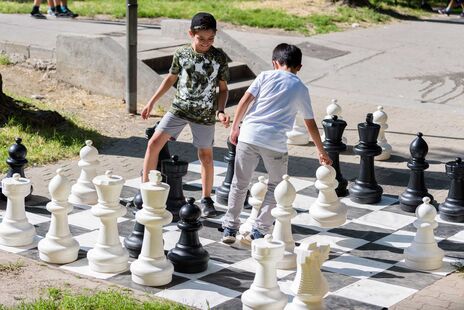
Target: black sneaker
x=38, y=15
x=229, y=235
x=65, y=12
x=207, y=207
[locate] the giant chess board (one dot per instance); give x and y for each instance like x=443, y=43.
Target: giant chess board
x=365, y=269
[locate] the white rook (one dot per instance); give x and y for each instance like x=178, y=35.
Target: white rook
x=152, y=268
x=257, y=191
x=58, y=246
x=285, y=194
x=265, y=293
x=424, y=253
x=108, y=255
x=83, y=192
x=15, y=230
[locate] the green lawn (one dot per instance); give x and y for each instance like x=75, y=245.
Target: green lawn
x=244, y=12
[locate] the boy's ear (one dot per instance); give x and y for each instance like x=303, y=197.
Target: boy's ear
x=298, y=68
x=191, y=34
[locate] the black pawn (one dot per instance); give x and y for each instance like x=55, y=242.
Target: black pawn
x=453, y=208
x=174, y=169
x=189, y=256
x=365, y=188
x=16, y=160
x=411, y=198
x=134, y=241
x=333, y=145
x=222, y=192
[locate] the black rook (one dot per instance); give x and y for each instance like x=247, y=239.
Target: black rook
x=365, y=188
x=411, y=198
x=189, y=256
x=333, y=145
x=453, y=208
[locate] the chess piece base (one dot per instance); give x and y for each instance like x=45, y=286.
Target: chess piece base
x=365, y=193
x=17, y=233
x=152, y=272
x=297, y=139
x=287, y=262
x=328, y=218
x=410, y=199
x=58, y=251
x=189, y=261
x=452, y=210
x=298, y=304
x=264, y=298
x=432, y=260
x=108, y=260
x=86, y=196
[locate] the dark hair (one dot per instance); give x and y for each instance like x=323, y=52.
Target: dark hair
x=203, y=21
x=287, y=54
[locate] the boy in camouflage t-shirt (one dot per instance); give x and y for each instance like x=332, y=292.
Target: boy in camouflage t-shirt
x=198, y=69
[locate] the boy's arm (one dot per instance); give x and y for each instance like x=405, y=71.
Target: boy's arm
x=242, y=107
x=167, y=83
x=222, y=99
x=324, y=158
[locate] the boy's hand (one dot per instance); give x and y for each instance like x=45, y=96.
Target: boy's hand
x=224, y=119
x=324, y=158
x=233, y=137
x=146, y=111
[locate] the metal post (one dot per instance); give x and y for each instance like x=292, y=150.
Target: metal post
x=131, y=47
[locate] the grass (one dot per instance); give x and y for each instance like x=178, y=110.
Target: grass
x=11, y=267
x=110, y=299
x=234, y=11
x=45, y=144
x=4, y=59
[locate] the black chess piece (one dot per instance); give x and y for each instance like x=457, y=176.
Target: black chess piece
x=411, y=198
x=452, y=209
x=17, y=161
x=134, y=241
x=365, y=188
x=222, y=192
x=189, y=256
x=333, y=145
x=174, y=169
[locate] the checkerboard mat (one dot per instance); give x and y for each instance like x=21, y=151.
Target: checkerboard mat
x=365, y=270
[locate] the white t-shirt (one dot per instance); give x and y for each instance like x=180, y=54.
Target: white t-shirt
x=279, y=95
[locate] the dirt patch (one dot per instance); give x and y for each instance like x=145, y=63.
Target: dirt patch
x=295, y=7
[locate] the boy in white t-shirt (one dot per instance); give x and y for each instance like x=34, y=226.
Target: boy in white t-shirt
x=278, y=95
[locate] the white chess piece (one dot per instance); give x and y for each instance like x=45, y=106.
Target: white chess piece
x=58, y=246
x=257, y=191
x=380, y=117
x=334, y=109
x=309, y=285
x=298, y=135
x=108, y=255
x=327, y=210
x=424, y=253
x=152, y=268
x=265, y=293
x=83, y=192
x=285, y=194
x=15, y=230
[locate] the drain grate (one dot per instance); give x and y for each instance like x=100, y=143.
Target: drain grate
x=319, y=51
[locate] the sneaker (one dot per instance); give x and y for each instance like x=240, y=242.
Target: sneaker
x=207, y=207
x=65, y=12
x=51, y=12
x=247, y=238
x=444, y=11
x=461, y=15
x=255, y=234
x=229, y=235
x=38, y=15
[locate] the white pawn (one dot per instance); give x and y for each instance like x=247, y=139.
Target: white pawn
x=424, y=253
x=257, y=191
x=334, y=109
x=285, y=194
x=380, y=117
x=265, y=293
x=152, y=268
x=327, y=210
x=58, y=246
x=298, y=135
x=15, y=230
x=83, y=192
x=309, y=285
x=108, y=255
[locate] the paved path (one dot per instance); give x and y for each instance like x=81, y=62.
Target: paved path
x=411, y=68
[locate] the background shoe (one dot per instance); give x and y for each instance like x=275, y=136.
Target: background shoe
x=229, y=236
x=207, y=207
x=38, y=15
x=443, y=12
x=65, y=12
x=255, y=234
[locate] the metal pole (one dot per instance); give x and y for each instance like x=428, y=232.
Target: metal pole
x=131, y=47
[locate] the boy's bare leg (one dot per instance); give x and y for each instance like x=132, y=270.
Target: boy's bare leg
x=205, y=156
x=156, y=143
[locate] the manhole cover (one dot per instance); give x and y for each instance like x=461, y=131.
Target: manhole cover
x=319, y=51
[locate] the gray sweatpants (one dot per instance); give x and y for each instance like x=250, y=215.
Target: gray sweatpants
x=246, y=160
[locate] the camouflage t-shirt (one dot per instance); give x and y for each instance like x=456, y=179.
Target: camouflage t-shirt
x=199, y=75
